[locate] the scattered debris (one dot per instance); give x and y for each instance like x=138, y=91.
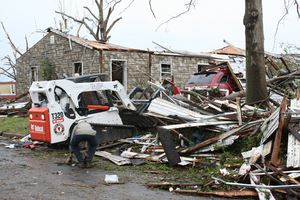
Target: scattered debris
x=113, y=158
x=190, y=128
x=111, y=179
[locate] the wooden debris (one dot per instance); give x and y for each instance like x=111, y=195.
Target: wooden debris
x=283, y=123
x=215, y=139
x=239, y=112
x=235, y=193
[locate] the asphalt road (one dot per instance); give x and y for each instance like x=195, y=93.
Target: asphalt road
x=24, y=175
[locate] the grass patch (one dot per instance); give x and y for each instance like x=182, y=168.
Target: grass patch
x=14, y=125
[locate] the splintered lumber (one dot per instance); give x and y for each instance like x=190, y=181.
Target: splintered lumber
x=235, y=193
x=274, y=169
x=283, y=122
x=239, y=112
x=118, y=160
x=209, y=141
x=168, y=184
x=201, y=97
x=291, y=75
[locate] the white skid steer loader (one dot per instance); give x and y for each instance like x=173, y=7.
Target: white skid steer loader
x=58, y=105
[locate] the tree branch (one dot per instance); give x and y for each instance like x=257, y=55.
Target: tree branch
x=81, y=22
x=150, y=5
x=12, y=66
x=13, y=46
x=111, y=26
x=297, y=7
x=188, y=8
x=91, y=13
x=286, y=8
x=126, y=7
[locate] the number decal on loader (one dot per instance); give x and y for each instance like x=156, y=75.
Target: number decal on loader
x=57, y=117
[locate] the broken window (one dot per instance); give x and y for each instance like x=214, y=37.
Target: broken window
x=78, y=68
x=118, y=71
x=166, y=71
x=224, y=79
x=202, y=66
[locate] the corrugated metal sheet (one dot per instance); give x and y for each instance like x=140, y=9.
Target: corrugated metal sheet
x=293, y=152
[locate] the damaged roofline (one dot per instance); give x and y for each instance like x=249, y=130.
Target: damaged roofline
x=95, y=45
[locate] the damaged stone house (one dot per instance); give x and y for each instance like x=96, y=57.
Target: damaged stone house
x=65, y=55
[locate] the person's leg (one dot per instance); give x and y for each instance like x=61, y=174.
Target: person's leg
x=74, y=147
x=93, y=144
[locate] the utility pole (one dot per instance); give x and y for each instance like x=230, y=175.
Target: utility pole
x=256, y=91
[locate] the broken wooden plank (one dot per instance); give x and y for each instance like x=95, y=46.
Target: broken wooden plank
x=274, y=169
x=169, y=184
x=232, y=193
x=283, y=122
x=239, y=112
x=192, y=149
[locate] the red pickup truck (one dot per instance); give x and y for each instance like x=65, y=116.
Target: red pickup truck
x=219, y=81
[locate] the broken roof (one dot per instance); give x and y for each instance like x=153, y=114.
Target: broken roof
x=93, y=44
x=230, y=50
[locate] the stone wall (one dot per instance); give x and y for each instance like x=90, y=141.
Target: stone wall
x=61, y=54
x=64, y=53
x=182, y=67
x=137, y=64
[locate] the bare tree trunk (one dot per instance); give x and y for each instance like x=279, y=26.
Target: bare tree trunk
x=255, y=61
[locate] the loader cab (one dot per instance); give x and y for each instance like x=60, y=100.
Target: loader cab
x=93, y=102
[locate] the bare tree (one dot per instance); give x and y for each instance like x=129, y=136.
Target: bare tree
x=9, y=68
x=99, y=19
x=297, y=5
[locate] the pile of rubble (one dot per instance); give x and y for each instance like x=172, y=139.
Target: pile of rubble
x=192, y=126
x=188, y=127
x=18, y=106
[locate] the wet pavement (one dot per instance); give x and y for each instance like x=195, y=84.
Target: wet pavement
x=24, y=175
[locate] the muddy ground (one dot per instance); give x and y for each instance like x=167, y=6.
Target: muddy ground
x=42, y=174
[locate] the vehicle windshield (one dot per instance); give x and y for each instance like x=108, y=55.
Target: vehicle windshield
x=201, y=78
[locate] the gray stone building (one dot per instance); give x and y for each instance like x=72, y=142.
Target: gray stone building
x=61, y=54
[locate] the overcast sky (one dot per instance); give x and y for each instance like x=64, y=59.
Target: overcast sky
x=202, y=29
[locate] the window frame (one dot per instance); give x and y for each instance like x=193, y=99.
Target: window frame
x=36, y=78
x=161, y=72
x=81, y=68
